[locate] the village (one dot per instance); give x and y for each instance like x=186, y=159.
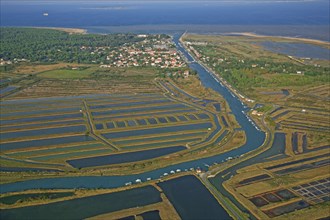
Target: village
x=152, y=52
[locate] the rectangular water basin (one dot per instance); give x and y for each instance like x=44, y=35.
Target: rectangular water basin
x=87, y=207
x=192, y=200
x=123, y=157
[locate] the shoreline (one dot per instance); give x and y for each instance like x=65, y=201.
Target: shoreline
x=67, y=30
x=171, y=29
x=307, y=40
x=247, y=34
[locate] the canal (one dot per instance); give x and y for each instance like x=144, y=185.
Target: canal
x=254, y=139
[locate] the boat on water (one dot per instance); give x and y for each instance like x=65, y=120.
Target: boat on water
x=45, y=14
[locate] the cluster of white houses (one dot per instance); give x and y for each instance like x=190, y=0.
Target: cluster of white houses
x=160, y=53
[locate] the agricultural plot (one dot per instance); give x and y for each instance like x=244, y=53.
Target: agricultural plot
x=254, y=179
x=92, y=80
x=127, y=128
x=308, y=166
x=296, y=105
x=46, y=130
x=305, y=118
x=296, y=162
x=176, y=92
x=285, y=187
x=73, y=130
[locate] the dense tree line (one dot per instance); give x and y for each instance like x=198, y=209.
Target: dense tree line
x=43, y=45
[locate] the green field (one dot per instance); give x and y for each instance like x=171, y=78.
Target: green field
x=67, y=74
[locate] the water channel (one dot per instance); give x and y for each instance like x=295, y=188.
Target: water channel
x=255, y=138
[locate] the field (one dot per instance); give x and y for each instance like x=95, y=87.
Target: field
x=271, y=189
x=77, y=122
x=290, y=179
x=73, y=120
x=68, y=132
x=66, y=74
x=73, y=80
x=86, y=120
x=55, y=130
x=298, y=93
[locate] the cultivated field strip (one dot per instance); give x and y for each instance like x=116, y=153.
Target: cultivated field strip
x=295, y=162
x=304, y=112
x=157, y=145
x=179, y=128
x=40, y=112
x=40, y=106
x=160, y=112
x=303, y=167
x=113, y=99
x=71, y=101
x=41, y=125
x=305, y=126
x=51, y=87
x=44, y=143
x=127, y=104
x=42, y=132
x=39, y=119
x=54, y=150
x=156, y=138
x=69, y=155
x=179, y=93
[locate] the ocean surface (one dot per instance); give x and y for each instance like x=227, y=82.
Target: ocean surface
x=293, y=18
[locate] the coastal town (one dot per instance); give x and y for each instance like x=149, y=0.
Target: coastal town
x=154, y=52
x=117, y=50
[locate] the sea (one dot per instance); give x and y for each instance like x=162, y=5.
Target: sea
x=297, y=18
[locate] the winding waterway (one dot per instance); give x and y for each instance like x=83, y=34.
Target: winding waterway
x=254, y=139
